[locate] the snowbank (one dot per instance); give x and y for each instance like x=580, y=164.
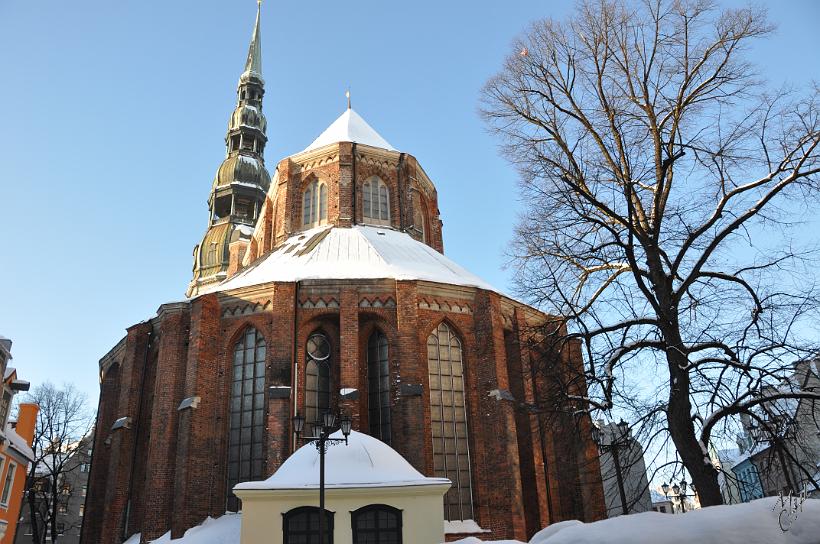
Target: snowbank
x=751, y=523
x=222, y=530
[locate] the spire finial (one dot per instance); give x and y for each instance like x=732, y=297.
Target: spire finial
x=347, y=94
x=254, y=62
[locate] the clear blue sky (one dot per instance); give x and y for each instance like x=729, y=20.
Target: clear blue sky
x=112, y=118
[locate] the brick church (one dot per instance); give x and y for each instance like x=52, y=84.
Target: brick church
x=321, y=285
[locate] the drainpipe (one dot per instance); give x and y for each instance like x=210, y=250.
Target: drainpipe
x=295, y=366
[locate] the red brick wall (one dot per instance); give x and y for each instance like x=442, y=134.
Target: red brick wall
x=167, y=395
x=526, y=472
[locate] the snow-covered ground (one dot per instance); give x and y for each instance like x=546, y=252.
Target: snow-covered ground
x=751, y=523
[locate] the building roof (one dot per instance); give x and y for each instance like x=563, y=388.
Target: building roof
x=364, y=462
x=350, y=127
x=359, y=252
x=18, y=443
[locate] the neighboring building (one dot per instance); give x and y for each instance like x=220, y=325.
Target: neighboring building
x=780, y=447
x=662, y=503
x=623, y=471
x=324, y=287
x=15, y=449
x=70, y=494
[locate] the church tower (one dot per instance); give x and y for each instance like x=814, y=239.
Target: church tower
x=242, y=181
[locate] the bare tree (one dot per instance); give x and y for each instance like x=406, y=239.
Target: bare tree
x=62, y=422
x=663, y=182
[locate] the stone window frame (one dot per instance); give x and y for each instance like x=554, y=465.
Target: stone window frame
x=378, y=389
x=375, y=201
x=459, y=500
x=8, y=483
x=318, y=378
x=314, y=204
x=246, y=423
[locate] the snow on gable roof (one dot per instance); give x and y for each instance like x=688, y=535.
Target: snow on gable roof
x=18, y=443
x=350, y=127
x=359, y=252
x=364, y=462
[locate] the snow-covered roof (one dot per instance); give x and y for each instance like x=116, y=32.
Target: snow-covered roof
x=18, y=443
x=9, y=371
x=359, y=252
x=364, y=462
x=350, y=127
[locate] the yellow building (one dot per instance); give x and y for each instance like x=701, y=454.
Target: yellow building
x=372, y=495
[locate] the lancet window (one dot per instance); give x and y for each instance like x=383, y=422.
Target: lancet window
x=317, y=377
x=247, y=412
x=314, y=204
x=376, y=201
x=378, y=386
x=448, y=411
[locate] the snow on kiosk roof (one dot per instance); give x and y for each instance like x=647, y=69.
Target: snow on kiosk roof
x=359, y=252
x=350, y=127
x=364, y=462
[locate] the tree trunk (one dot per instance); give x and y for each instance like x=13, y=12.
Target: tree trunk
x=682, y=430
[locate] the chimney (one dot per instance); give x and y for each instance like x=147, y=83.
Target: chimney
x=26, y=419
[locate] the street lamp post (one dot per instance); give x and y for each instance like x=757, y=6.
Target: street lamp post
x=325, y=427
x=680, y=492
x=617, y=441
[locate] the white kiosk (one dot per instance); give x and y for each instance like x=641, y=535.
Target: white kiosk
x=372, y=494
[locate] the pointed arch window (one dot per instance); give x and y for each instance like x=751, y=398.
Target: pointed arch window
x=448, y=414
x=247, y=412
x=317, y=377
x=376, y=201
x=314, y=204
x=378, y=387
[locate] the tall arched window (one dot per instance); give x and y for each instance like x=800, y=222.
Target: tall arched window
x=376, y=524
x=448, y=413
x=317, y=377
x=314, y=204
x=246, y=454
x=301, y=526
x=378, y=387
x=376, y=201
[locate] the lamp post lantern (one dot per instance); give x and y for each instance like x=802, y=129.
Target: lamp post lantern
x=679, y=490
x=322, y=430
x=611, y=443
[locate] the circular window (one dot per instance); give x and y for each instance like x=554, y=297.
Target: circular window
x=318, y=347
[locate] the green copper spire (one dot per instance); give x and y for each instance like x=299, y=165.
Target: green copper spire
x=253, y=66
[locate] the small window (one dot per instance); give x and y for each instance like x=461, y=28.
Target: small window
x=62, y=508
x=376, y=202
x=301, y=526
x=7, y=484
x=82, y=510
x=314, y=204
x=378, y=387
x=317, y=377
x=376, y=524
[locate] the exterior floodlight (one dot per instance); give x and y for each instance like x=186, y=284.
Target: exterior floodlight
x=329, y=420
x=665, y=488
x=298, y=423
x=676, y=489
